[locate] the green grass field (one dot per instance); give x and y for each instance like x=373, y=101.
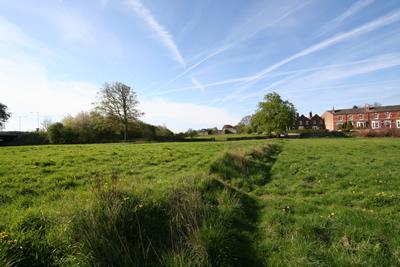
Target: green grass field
x=318, y=202
x=224, y=137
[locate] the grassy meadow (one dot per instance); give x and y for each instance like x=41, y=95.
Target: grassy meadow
x=305, y=202
x=224, y=137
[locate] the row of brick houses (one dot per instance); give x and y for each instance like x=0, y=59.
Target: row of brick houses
x=369, y=117
x=311, y=122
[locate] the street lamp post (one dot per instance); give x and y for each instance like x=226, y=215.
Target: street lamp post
x=38, y=121
x=20, y=121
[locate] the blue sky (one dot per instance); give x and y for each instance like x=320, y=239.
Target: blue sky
x=197, y=64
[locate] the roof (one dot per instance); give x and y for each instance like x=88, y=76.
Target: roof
x=227, y=126
x=302, y=117
x=316, y=116
x=365, y=109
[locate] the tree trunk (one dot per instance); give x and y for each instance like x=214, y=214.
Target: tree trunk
x=125, y=131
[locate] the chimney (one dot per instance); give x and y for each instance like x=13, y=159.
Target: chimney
x=297, y=115
x=310, y=114
x=333, y=109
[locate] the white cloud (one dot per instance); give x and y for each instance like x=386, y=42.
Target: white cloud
x=12, y=34
x=13, y=38
x=191, y=68
x=25, y=88
x=341, y=37
x=262, y=18
x=352, y=10
x=162, y=33
x=182, y=116
x=316, y=78
x=323, y=76
x=197, y=84
x=253, y=25
x=25, y=85
x=207, y=85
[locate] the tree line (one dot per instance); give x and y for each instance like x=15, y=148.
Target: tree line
x=116, y=116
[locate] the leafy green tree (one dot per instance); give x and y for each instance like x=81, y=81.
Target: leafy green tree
x=56, y=133
x=191, y=133
x=119, y=102
x=273, y=115
x=81, y=125
x=4, y=115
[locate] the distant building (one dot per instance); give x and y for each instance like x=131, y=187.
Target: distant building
x=229, y=129
x=369, y=117
x=204, y=132
x=310, y=122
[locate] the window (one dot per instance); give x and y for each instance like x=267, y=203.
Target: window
x=314, y=122
x=306, y=122
x=361, y=124
x=388, y=124
x=360, y=116
x=350, y=117
x=387, y=115
x=300, y=122
x=375, y=124
x=315, y=127
x=398, y=123
x=376, y=116
x=340, y=118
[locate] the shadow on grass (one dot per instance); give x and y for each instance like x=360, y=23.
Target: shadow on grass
x=202, y=221
x=247, y=169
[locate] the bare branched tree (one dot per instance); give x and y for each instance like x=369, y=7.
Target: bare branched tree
x=46, y=124
x=119, y=102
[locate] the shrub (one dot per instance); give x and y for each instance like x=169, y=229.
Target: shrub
x=387, y=132
x=56, y=133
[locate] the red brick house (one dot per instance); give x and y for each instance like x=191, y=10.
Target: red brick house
x=310, y=122
x=369, y=117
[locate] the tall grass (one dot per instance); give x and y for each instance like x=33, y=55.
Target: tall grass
x=317, y=202
x=196, y=223
x=246, y=168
